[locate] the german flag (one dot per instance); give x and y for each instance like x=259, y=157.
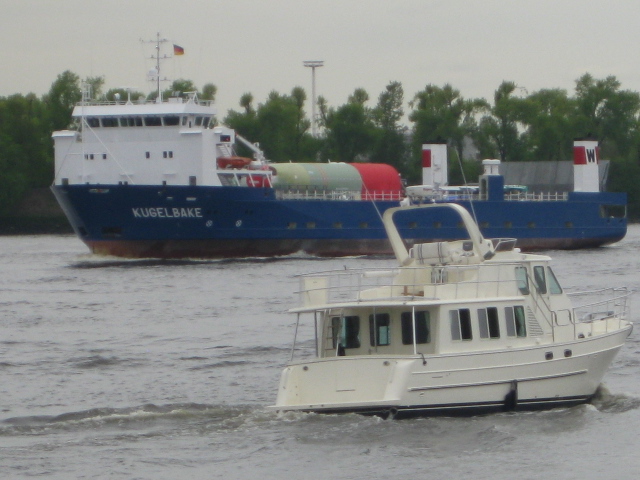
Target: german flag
x=178, y=50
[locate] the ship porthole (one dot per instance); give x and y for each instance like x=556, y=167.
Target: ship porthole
x=238, y=223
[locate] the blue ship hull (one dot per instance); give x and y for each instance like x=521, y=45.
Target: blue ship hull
x=222, y=222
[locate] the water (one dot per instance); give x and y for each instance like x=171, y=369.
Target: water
x=163, y=370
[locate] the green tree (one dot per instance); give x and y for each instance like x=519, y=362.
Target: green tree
x=279, y=125
x=442, y=114
x=209, y=92
x=549, y=115
x=500, y=131
x=609, y=114
x=390, y=145
x=25, y=148
x=64, y=93
x=349, y=130
x=95, y=86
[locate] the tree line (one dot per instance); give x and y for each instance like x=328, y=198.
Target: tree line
x=514, y=125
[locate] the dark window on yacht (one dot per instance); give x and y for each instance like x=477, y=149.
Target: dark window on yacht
x=337, y=225
x=554, y=286
x=138, y=121
x=488, y=322
x=516, y=321
x=93, y=122
x=104, y=156
x=147, y=154
x=192, y=181
x=170, y=154
x=109, y=121
x=460, y=324
x=346, y=331
x=311, y=224
x=164, y=154
x=198, y=121
x=423, y=327
x=225, y=138
x=379, y=329
x=522, y=280
x=540, y=280
x=171, y=121
x=153, y=121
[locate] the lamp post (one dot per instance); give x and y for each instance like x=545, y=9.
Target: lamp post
x=313, y=64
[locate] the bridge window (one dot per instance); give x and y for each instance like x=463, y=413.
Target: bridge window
x=110, y=121
x=171, y=121
x=488, y=322
x=539, y=279
x=522, y=280
x=554, y=286
x=345, y=331
x=460, y=324
x=516, y=321
x=379, y=329
x=153, y=121
x=423, y=327
x=93, y=122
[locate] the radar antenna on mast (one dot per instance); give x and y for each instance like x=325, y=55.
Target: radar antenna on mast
x=154, y=74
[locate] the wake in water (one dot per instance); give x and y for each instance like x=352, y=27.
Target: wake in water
x=133, y=418
x=608, y=402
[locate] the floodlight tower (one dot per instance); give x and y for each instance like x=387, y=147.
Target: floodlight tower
x=313, y=64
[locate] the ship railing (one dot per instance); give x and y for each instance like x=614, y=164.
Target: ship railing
x=607, y=312
x=144, y=101
x=311, y=193
x=511, y=197
x=538, y=197
x=450, y=282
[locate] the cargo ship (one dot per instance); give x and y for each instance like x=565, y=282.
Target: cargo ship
x=161, y=179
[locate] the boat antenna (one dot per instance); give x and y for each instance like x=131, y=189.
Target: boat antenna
x=155, y=74
x=464, y=181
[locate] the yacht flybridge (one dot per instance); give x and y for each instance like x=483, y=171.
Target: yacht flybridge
x=468, y=326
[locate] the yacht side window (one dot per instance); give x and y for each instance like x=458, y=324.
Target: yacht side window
x=346, y=331
x=423, y=327
x=516, y=321
x=554, y=286
x=379, y=329
x=522, y=280
x=460, y=324
x=539, y=279
x=488, y=322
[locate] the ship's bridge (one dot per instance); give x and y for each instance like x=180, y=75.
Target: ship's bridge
x=146, y=143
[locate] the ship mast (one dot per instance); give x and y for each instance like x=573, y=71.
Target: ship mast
x=157, y=57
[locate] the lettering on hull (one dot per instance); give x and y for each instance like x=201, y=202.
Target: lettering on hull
x=161, y=212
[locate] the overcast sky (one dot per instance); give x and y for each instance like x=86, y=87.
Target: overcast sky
x=259, y=45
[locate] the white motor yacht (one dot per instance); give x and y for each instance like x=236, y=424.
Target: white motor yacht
x=462, y=327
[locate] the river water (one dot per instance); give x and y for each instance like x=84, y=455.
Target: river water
x=163, y=370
